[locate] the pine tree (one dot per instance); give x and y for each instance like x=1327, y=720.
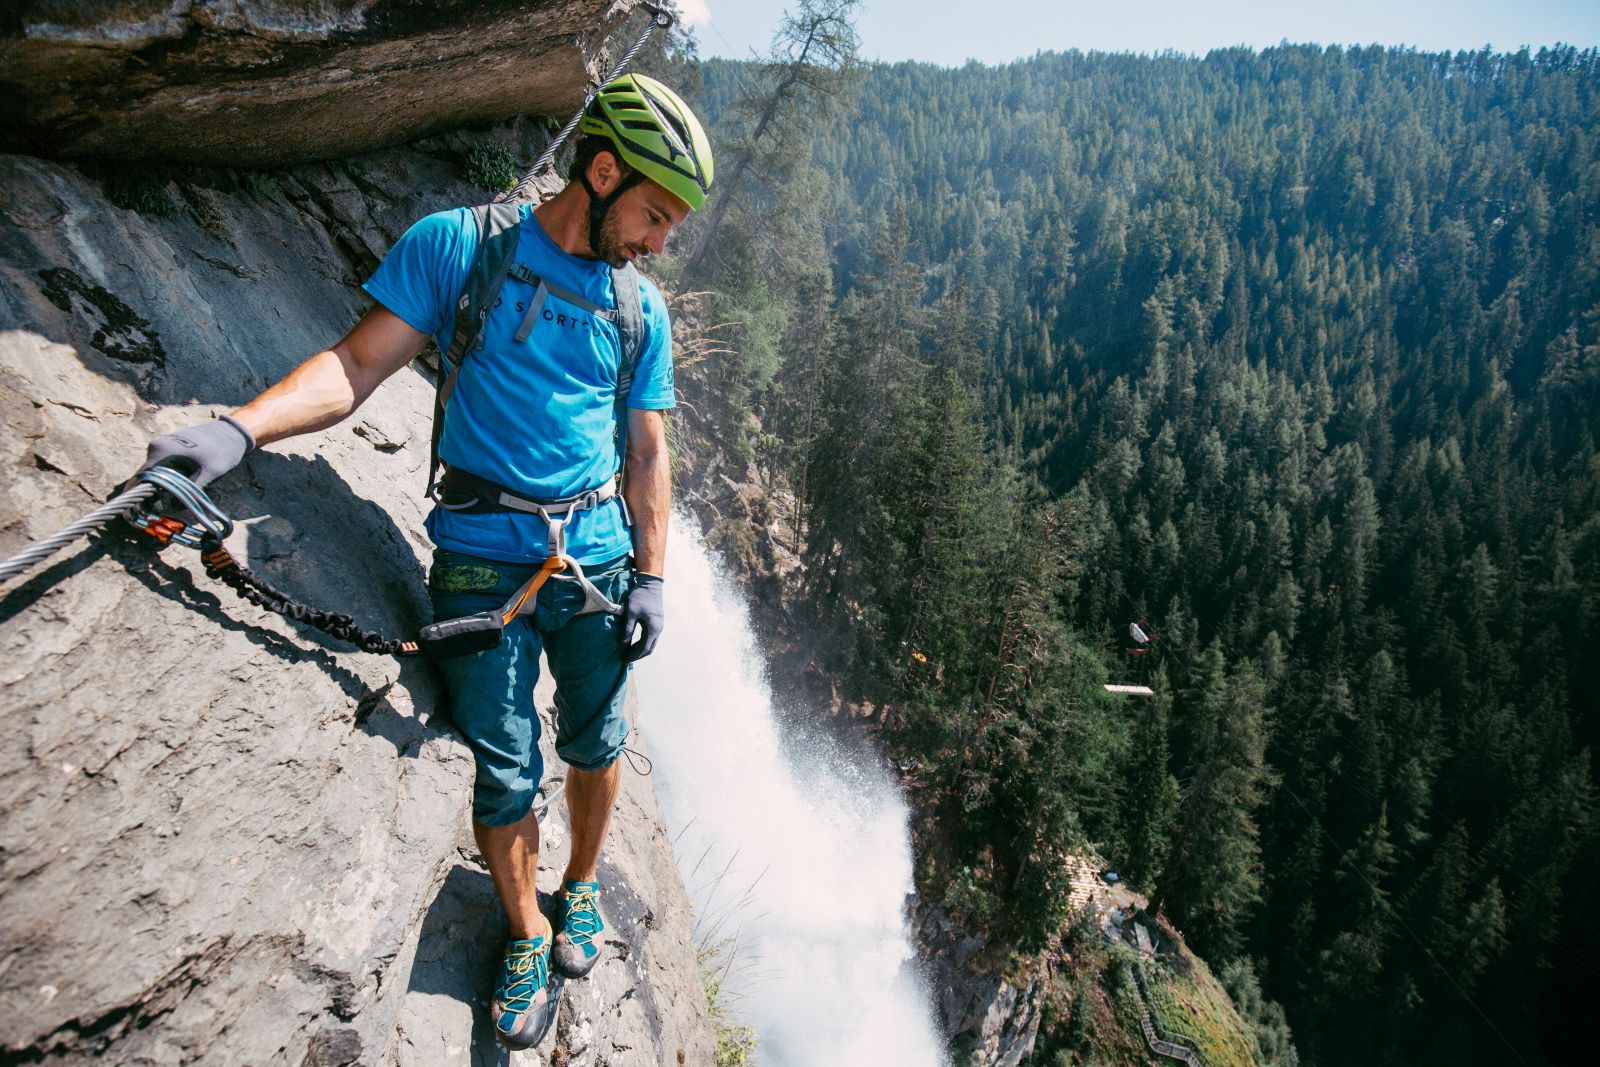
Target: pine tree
x=1211, y=876
x=1152, y=797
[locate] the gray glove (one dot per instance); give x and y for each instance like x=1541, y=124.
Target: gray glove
x=644, y=608
x=201, y=453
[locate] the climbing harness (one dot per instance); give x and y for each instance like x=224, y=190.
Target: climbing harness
x=659, y=20
x=463, y=492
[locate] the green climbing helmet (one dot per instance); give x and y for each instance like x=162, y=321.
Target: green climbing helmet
x=655, y=133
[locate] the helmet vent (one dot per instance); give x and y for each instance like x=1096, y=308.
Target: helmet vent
x=677, y=127
x=671, y=128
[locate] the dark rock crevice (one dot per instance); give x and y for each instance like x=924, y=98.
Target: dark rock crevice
x=119, y=332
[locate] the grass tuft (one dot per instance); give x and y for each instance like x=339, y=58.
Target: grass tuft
x=142, y=189
x=260, y=185
x=736, y=1042
x=718, y=948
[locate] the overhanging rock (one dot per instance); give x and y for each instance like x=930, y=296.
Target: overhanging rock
x=271, y=82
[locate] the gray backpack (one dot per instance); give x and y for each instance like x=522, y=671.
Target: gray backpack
x=498, y=226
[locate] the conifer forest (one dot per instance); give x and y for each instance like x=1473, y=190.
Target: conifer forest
x=1292, y=359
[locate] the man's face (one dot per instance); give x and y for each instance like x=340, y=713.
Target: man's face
x=638, y=223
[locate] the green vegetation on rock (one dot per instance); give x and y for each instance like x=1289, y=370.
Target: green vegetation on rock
x=490, y=166
x=262, y=186
x=736, y=1042
x=141, y=188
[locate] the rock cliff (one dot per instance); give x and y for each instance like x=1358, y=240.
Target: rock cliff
x=992, y=1020
x=223, y=838
x=269, y=82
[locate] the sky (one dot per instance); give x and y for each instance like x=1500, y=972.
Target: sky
x=949, y=32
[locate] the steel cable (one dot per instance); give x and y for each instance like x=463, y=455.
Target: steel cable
x=42, y=549
x=547, y=157
x=557, y=784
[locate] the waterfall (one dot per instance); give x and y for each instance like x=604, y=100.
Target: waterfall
x=795, y=851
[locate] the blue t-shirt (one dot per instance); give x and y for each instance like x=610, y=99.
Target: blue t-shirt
x=537, y=417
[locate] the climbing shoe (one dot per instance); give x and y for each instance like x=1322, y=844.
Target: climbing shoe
x=524, y=1004
x=578, y=925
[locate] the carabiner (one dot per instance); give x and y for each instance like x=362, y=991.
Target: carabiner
x=210, y=520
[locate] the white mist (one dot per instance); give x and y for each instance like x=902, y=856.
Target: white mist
x=801, y=852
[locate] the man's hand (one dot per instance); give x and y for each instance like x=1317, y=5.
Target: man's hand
x=645, y=610
x=201, y=453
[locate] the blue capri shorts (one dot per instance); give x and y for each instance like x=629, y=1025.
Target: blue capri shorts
x=491, y=692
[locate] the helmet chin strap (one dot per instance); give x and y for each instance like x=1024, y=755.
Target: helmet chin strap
x=599, y=206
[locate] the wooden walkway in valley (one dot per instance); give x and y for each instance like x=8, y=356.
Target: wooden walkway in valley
x=1158, y=1044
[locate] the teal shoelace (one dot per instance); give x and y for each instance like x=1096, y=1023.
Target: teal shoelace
x=523, y=975
x=582, y=921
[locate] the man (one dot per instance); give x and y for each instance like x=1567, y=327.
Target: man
x=530, y=423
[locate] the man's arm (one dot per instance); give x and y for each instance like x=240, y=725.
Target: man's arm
x=331, y=384
x=647, y=487
x=315, y=395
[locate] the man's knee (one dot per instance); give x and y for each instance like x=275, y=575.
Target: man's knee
x=496, y=803
x=504, y=788
x=592, y=741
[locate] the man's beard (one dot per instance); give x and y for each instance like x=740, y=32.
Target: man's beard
x=612, y=247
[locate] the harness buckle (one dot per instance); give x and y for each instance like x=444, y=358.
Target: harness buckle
x=556, y=542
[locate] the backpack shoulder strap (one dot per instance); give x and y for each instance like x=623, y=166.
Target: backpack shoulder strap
x=630, y=327
x=630, y=316
x=497, y=246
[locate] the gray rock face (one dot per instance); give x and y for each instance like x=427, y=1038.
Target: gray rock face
x=994, y=1022
x=225, y=839
x=269, y=82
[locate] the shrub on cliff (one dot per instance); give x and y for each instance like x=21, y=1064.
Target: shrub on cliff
x=490, y=166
